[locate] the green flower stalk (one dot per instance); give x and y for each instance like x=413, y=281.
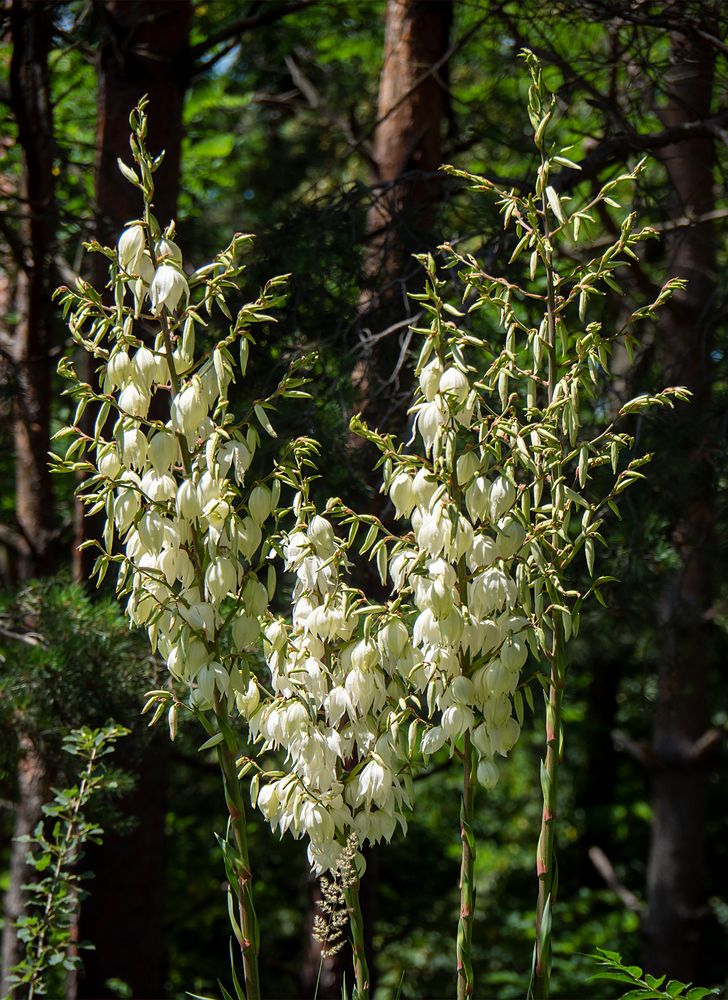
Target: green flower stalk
x=466, y=977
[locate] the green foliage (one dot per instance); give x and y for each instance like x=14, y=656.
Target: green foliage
x=55, y=850
x=67, y=661
x=643, y=985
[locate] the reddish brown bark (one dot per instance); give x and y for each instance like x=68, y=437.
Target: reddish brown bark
x=412, y=108
x=31, y=31
x=32, y=793
x=679, y=777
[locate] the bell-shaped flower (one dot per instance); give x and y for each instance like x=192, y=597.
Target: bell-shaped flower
x=430, y=418
x=321, y=535
x=425, y=487
x=255, y=596
x=188, y=409
x=248, y=700
x=456, y=720
x=220, y=578
x=502, y=497
x=430, y=379
x=477, y=497
x=131, y=246
x=167, y=289
x=143, y=368
x=107, y=462
x=187, y=501
x=392, y=639
x=158, y=488
x=166, y=249
x=402, y=494
x=245, y=631
x=509, y=538
x=454, y=383
x=134, y=400
x=118, y=369
x=373, y=785
x=163, y=451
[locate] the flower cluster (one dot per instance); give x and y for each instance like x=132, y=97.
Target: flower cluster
x=171, y=469
x=336, y=678
x=459, y=566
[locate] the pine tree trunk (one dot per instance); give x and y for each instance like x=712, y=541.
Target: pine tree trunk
x=412, y=108
x=680, y=742
x=31, y=28
x=31, y=31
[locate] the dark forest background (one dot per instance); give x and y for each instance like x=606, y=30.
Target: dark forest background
x=320, y=125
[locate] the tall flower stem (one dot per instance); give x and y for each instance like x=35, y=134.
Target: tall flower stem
x=356, y=923
x=545, y=854
x=466, y=979
x=237, y=861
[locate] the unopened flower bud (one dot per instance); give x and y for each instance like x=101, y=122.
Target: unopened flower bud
x=259, y=503
x=488, y=774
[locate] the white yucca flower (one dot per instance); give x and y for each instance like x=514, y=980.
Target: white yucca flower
x=168, y=288
x=131, y=246
x=430, y=379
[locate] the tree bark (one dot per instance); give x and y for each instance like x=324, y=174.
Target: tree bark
x=679, y=776
x=32, y=793
x=413, y=105
x=31, y=31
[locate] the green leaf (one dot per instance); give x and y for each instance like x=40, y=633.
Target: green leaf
x=264, y=420
x=212, y=742
x=654, y=982
x=675, y=987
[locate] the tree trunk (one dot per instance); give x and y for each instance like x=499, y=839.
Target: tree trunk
x=32, y=32
x=32, y=793
x=144, y=51
x=675, y=875
x=31, y=28
x=413, y=104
